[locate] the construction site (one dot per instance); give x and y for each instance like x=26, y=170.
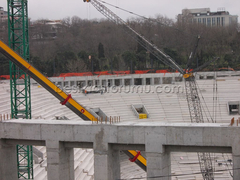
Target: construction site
x=181, y=124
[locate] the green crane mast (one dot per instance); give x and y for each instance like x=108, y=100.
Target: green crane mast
x=20, y=81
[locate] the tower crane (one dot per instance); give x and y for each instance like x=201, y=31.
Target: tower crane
x=192, y=96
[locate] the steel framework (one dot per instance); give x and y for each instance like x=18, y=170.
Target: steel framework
x=196, y=116
x=193, y=99
x=19, y=80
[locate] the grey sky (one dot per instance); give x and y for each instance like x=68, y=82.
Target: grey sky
x=58, y=9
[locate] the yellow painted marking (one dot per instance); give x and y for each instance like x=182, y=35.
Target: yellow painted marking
x=142, y=116
x=45, y=80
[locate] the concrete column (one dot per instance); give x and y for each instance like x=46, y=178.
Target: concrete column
x=160, y=80
x=173, y=80
x=158, y=164
x=106, y=164
x=158, y=158
x=152, y=81
x=132, y=81
x=121, y=82
x=106, y=159
x=8, y=161
x=236, y=161
x=60, y=161
x=144, y=81
x=236, y=167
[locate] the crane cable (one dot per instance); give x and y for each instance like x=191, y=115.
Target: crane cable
x=130, y=12
x=149, y=19
x=177, y=175
x=215, y=100
x=207, y=111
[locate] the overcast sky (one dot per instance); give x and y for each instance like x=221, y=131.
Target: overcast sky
x=59, y=9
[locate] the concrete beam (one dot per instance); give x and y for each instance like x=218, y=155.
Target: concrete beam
x=214, y=149
x=87, y=145
x=140, y=147
x=25, y=142
x=158, y=138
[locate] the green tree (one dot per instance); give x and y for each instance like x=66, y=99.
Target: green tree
x=101, y=53
x=84, y=57
x=130, y=60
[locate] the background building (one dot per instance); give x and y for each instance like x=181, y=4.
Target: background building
x=208, y=18
x=3, y=15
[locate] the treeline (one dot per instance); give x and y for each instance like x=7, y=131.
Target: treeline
x=78, y=45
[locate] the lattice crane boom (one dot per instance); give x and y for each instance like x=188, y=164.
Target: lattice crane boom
x=190, y=84
x=166, y=59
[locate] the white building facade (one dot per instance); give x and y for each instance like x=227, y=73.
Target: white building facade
x=204, y=16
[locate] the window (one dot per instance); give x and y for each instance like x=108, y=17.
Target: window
x=137, y=81
x=127, y=82
x=201, y=77
x=104, y=82
x=89, y=83
x=117, y=82
x=178, y=79
x=223, y=21
x=199, y=21
x=72, y=83
x=233, y=107
x=97, y=83
x=81, y=83
x=208, y=21
x=204, y=21
x=148, y=81
x=156, y=81
x=218, y=21
x=213, y=21
x=65, y=83
x=167, y=80
x=210, y=77
x=59, y=84
x=109, y=82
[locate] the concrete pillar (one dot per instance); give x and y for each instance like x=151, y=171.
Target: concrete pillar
x=144, y=81
x=106, y=159
x=236, y=161
x=60, y=161
x=8, y=161
x=173, y=80
x=114, y=163
x=236, y=167
x=132, y=81
x=106, y=163
x=160, y=80
x=113, y=82
x=158, y=158
x=121, y=82
x=158, y=164
x=152, y=81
